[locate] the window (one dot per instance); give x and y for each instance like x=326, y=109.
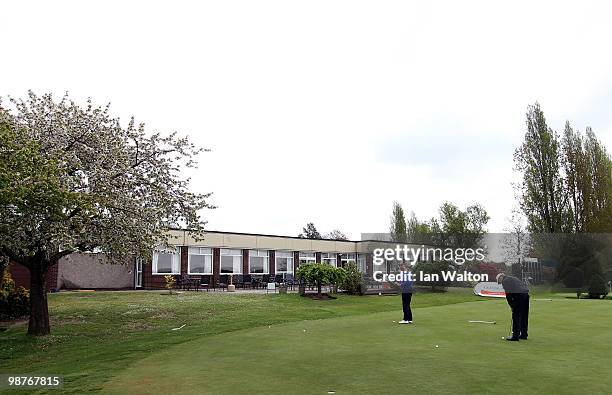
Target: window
x=307, y=257
x=231, y=261
x=284, y=262
x=199, y=261
x=347, y=258
x=361, y=263
x=166, y=261
x=258, y=262
x=329, y=258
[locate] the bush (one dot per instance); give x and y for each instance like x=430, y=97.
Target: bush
x=573, y=278
x=353, y=282
x=14, y=301
x=338, y=276
x=170, y=281
x=319, y=274
x=597, y=287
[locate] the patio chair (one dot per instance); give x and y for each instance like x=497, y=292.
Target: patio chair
x=256, y=282
x=238, y=280
x=247, y=281
x=205, y=283
x=183, y=282
x=222, y=283
x=290, y=280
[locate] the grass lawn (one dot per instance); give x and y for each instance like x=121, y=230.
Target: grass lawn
x=122, y=342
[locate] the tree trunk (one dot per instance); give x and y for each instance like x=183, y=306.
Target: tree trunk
x=319, y=288
x=39, y=311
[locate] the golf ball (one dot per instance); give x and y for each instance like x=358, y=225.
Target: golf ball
x=436, y=346
x=503, y=338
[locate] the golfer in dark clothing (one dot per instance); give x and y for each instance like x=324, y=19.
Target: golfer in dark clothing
x=517, y=295
x=406, y=286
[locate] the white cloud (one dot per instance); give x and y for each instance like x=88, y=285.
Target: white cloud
x=299, y=100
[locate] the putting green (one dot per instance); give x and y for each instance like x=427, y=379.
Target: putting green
x=569, y=346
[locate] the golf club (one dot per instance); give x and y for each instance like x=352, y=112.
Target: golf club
x=483, y=322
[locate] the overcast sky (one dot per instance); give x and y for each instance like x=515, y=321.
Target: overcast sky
x=327, y=111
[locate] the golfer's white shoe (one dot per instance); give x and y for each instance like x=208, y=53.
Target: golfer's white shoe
x=405, y=322
x=410, y=322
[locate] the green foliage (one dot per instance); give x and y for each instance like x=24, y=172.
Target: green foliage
x=433, y=268
x=567, y=183
x=457, y=228
x=397, y=229
x=418, y=232
x=541, y=190
x=320, y=274
x=338, y=276
x=454, y=228
x=310, y=232
x=588, y=181
x=597, y=286
x=14, y=301
x=353, y=282
x=573, y=277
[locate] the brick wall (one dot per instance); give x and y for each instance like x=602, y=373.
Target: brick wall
x=271, y=262
x=21, y=276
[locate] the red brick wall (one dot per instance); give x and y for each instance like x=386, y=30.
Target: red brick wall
x=184, y=260
x=148, y=279
x=296, y=261
x=216, y=263
x=271, y=262
x=21, y=276
x=245, y=261
x=369, y=264
x=151, y=281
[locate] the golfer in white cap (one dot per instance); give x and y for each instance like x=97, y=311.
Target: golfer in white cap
x=517, y=295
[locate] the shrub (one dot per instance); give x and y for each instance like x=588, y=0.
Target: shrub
x=337, y=277
x=597, y=287
x=319, y=274
x=574, y=278
x=353, y=282
x=14, y=301
x=170, y=281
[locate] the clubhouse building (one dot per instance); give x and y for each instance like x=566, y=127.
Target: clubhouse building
x=209, y=260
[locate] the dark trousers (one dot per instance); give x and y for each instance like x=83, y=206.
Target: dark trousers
x=519, y=303
x=406, y=299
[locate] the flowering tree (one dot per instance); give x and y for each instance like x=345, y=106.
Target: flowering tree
x=73, y=179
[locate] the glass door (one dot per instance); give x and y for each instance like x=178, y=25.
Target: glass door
x=138, y=274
